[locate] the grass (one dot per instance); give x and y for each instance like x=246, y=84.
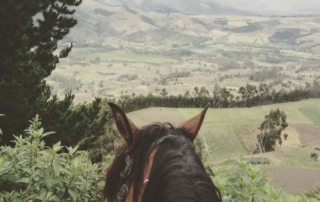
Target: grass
x=312, y=113
x=299, y=158
x=222, y=142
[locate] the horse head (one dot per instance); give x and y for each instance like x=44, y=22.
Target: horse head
x=158, y=163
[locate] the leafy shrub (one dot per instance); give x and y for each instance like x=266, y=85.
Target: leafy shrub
x=315, y=193
x=31, y=171
x=246, y=183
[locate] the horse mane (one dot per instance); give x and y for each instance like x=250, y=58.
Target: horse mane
x=176, y=168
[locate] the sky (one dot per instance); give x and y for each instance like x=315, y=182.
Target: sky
x=275, y=7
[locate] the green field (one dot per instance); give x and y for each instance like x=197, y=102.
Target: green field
x=312, y=112
x=230, y=133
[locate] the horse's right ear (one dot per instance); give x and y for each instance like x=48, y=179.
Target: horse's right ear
x=127, y=129
x=193, y=125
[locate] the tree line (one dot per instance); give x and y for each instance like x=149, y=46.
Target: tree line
x=221, y=97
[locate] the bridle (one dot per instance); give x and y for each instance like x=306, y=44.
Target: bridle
x=124, y=175
x=124, y=190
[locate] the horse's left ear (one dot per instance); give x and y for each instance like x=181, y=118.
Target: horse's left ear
x=193, y=125
x=127, y=129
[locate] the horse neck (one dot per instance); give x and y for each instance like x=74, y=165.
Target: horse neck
x=178, y=175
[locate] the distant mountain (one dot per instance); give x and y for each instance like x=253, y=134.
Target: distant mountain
x=116, y=22
x=190, y=7
x=100, y=23
x=195, y=7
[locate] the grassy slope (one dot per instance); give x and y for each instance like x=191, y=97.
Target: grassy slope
x=225, y=129
x=231, y=133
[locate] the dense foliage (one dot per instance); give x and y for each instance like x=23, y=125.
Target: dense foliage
x=315, y=193
x=246, y=183
x=29, y=34
x=31, y=171
x=88, y=125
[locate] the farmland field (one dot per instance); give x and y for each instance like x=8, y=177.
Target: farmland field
x=230, y=134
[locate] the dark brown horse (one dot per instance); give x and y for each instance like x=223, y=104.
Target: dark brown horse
x=158, y=163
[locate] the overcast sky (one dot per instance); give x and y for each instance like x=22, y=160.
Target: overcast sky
x=278, y=7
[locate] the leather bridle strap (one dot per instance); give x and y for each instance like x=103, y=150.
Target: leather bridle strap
x=124, y=174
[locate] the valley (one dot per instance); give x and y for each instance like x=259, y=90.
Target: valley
x=120, y=50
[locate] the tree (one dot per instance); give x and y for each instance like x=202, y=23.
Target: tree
x=187, y=94
x=247, y=94
x=195, y=91
x=315, y=89
x=226, y=97
x=271, y=130
x=29, y=34
x=264, y=92
x=215, y=94
x=203, y=92
x=163, y=93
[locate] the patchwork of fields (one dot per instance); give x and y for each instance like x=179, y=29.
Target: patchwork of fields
x=119, y=51
x=230, y=134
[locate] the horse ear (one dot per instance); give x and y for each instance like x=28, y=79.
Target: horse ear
x=193, y=125
x=127, y=129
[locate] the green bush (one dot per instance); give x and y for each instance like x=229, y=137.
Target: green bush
x=246, y=183
x=31, y=171
x=315, y=193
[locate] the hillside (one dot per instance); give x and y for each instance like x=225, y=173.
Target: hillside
x=120, y=50
x=230, y=134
